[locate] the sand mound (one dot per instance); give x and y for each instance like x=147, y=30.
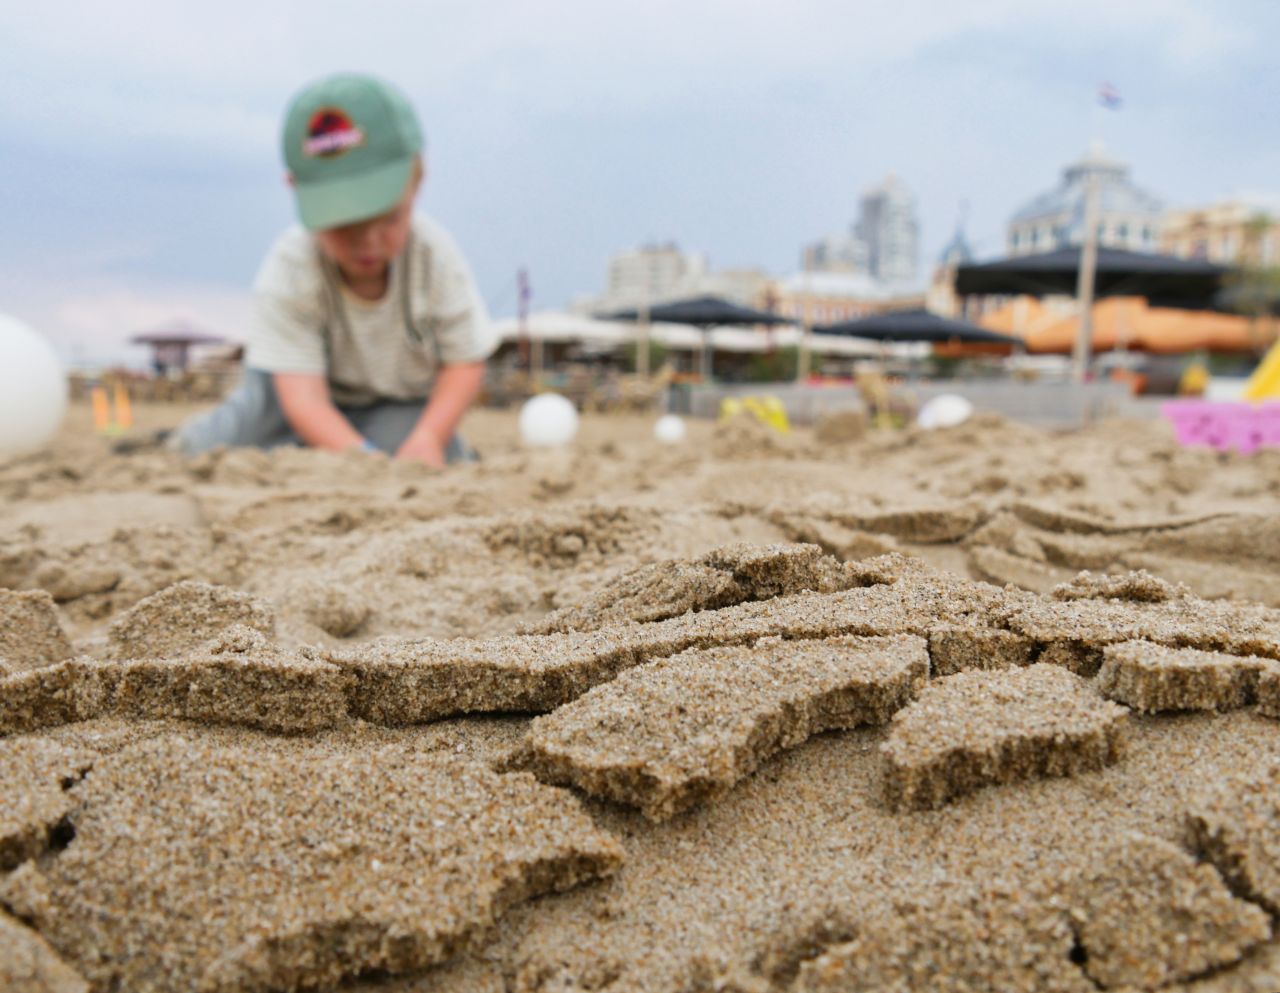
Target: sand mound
x=728, y=575
x=30, y=633
x=241, y=810
x=300, y=872
x=1148, y=914
x=29, y=965
x=184, y=616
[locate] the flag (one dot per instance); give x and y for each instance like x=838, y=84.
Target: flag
x=1109, y=96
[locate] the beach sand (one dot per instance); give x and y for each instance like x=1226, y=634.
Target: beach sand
x=270, y=721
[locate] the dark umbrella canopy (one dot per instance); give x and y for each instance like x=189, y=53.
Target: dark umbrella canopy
x=915, y=325
x=703, y=312
x=1172, y=280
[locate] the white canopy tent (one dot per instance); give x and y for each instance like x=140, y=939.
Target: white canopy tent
x=564, y=327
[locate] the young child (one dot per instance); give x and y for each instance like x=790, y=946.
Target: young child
x=368, y=332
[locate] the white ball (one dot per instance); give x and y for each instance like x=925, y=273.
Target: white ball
x=548, y=420
x=669, y=429
x=945, y=411
x=33, y=387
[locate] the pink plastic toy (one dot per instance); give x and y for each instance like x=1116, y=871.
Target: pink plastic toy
x=1245, y=427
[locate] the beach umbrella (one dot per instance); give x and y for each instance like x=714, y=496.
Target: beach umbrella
x=915, y=325
x=1172, y=280
x=704, y=312
x=171, y=344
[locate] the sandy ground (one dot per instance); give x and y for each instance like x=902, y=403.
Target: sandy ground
x=316, y=764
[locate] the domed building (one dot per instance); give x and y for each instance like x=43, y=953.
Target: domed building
x=1128, y=217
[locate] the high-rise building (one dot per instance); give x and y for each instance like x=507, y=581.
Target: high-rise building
x=883, y=243
x=887, y=225
x=652, y=274
x=1128, y=216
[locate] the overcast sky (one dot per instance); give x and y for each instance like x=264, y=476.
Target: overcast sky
x=142, y=179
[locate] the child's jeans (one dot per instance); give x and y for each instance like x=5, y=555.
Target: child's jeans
x=250, y=417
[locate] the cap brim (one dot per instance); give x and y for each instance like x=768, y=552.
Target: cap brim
x=352, y=199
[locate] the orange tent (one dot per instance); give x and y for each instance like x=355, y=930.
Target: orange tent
x=1128, y=322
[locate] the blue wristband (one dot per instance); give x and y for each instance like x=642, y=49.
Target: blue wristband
x=367, y=446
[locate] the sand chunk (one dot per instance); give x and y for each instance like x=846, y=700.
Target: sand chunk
x=1269, y=690
x=408, y=682
x=956, y=647
x=29, y=965
x=725, y=576
x=238, y=679
x=1236, y=826
x=1146, y=913
x=1187, y=622
x=401, y=681
x=1152, y=677
x=30, y=633
x=669, y=735
x=836, y=427
x=35, y=775
x=1139, y=586
x=984, y=943
x=184, y=616
x=302, y=868
x=75, y=690
x=978, y=729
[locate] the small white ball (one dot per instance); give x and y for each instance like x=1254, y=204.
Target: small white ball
x=945, y=411
x=548, y=421
x=669, y=429
x=33, y=387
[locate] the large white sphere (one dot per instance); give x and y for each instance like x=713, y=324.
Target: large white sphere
x=33, y=388
x=945, y=411
x=548, y=420
x=669, y=429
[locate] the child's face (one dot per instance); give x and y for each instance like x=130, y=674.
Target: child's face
x=364, y=249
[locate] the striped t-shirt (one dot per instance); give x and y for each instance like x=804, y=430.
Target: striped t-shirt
x=307, y=321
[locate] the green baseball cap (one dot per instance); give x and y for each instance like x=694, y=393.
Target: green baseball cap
x=349, y=143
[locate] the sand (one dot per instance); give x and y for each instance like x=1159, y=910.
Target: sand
x=233, y=690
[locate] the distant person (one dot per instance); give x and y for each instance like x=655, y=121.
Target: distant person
x=368, y=332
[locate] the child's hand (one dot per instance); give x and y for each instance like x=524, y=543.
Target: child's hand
x=422, y=446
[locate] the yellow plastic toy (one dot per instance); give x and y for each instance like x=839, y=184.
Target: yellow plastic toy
x=1264, y=384
x=768, y=410
x=111, y=417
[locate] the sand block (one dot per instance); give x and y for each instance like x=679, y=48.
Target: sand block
x=1151, y=677
x=1088, y=626
x=1146, y=914
x=31, y=634
x=1000, y=566
x=1269, y=690
x=977, y=729
x=182, y=617
x=35, y=774
x=1139, y=586
x=1236, y=826
x=963, y=945
x=956, y=647
x=835, y=427
x=671, y=734
x=239, y=678
x=78, y=689
x=411, y=681
x=725, y=576
x=29, y=965
x=302, y=868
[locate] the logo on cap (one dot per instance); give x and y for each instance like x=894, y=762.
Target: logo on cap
x=330, y=132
